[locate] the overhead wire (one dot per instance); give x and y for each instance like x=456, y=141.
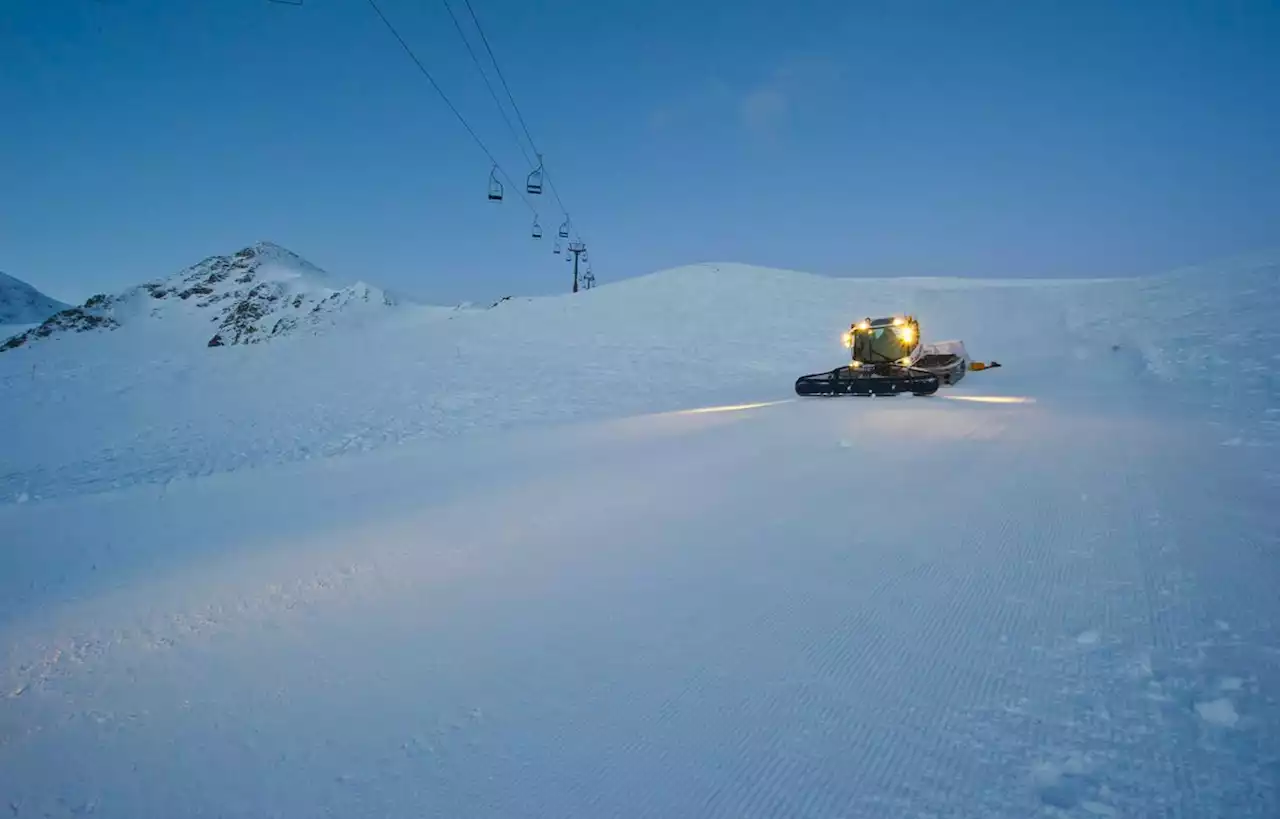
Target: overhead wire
x=422, y=68
x=485, y=76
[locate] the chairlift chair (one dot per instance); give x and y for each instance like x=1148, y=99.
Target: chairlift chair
x=495, y=186
x=564, y=229
x=534, y=183
x=537, y=229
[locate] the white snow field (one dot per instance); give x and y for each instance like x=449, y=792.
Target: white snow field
x=543, y=581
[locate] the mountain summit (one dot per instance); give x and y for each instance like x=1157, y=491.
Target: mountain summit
x=260, y=292
x=20, y=303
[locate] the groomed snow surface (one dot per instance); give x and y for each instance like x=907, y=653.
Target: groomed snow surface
x=535, y=584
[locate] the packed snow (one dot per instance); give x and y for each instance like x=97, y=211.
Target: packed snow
x=590, y=556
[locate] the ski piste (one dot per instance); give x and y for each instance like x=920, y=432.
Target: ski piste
x=358, y=573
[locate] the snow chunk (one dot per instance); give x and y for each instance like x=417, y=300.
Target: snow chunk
x=1088, y=638
x=1220, y=712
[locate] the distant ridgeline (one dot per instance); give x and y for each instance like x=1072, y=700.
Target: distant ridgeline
x=255, y=294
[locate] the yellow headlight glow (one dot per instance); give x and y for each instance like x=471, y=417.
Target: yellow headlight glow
x=731, y=407
x=993, y=399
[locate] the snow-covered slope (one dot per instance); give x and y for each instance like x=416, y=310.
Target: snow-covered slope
x=681, y=337
x=1049, y=592
x=261, y=292
x=20, y=303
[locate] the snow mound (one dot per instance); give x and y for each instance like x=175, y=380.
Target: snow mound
x=260, y=292
x=20, y=303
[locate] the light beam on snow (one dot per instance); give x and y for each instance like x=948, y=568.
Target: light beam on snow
x=731, y=407
x=992, y=399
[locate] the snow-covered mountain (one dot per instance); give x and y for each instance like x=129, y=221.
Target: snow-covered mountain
x=20, y=303
x=260, y=292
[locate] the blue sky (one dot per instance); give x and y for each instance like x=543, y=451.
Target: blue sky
x=847, y=138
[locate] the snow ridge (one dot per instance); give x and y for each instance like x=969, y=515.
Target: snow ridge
x=260, y=292
x=20, y=303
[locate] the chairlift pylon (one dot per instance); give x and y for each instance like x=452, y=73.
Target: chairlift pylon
x=534, y=183
x=537, y=229
x=495, y=185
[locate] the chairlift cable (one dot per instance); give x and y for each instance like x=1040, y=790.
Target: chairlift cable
x=487, y=84
x=502, y=78
x=422, y=68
